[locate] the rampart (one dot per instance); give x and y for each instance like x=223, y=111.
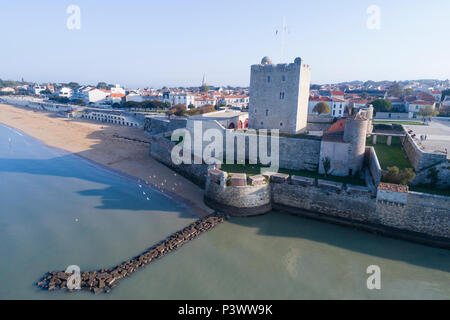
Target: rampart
x=393, y=210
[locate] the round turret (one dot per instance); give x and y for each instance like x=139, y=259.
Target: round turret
x=266, y=60
x=355, y=134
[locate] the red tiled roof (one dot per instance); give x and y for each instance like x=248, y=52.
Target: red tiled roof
x=393, y=187
x=117, y=95
x=320, y=99
x=338, y=126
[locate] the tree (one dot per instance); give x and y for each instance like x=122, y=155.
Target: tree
x=426, y=112
x=397, y=176
x=204, y=88
x=408, y=91
x=79, y=102
x=326, y=165
x=322, y=107
x=445, y=92
x=46, y=92
x=395, y=91
x=382, y=105
x=102, y=85
x=364, y=95
x=73, y=85
x=178, y=110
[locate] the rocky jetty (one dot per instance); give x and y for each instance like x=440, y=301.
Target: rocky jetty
x=104, y=280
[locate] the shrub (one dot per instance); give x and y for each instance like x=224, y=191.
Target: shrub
x=397, y=176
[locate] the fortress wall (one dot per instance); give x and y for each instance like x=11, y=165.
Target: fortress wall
x=161, y=148
x=418, y=212
x=374, y=165
x=155, y=125
x=245, y=200
x=343, y=204
x=418, y=158
x=294, y=153
x=443, y=175
x=412, y=216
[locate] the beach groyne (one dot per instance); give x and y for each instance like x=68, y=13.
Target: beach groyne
x=104, y=280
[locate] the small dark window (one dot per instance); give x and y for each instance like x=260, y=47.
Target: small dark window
x=283, y=78
x=281, y=124
x=267, y=112
x=268, y=79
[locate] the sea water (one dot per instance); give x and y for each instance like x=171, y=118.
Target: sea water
x=58, y=209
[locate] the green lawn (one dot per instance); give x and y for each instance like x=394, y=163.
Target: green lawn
x=397, y=122
x=392, y=155
x=253, y=169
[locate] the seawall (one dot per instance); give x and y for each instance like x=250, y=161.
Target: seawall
x=393, y=210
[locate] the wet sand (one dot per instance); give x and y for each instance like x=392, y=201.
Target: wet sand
x=107, y=145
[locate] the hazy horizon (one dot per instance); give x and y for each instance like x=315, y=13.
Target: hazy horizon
x=173, y=43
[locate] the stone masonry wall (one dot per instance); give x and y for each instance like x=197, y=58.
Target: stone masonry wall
x=294, y=153
x=337, y=203
x=418, y=158
x=420, y=213
x=373, y=164
x=423, y=213
x=157, y=125
x=161, y=148
x=239, y=200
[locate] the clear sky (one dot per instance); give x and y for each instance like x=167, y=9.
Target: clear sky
x=173, y=42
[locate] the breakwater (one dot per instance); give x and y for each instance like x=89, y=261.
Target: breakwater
x=104, y=280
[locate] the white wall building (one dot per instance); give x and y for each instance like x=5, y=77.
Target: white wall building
x=240, y=101
x=415, y=106
x=65, y=92
x=182, y=98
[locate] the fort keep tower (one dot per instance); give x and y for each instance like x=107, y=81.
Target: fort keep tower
x=279, y=96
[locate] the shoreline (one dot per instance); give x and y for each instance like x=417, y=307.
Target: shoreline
x=114, y=156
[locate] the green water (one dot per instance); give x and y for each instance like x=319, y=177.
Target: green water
x=58, y=210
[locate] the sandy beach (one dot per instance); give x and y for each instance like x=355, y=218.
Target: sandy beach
x=121, y=148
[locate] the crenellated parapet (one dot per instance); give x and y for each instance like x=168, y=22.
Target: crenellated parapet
x=392, y=210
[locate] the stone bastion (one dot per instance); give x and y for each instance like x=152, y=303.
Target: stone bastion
x=392, y=210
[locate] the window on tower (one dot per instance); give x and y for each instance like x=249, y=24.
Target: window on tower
x=268, y=79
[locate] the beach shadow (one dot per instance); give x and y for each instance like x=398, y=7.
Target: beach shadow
x=136, y=195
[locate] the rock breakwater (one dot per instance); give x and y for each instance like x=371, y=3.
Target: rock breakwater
x=104, y=280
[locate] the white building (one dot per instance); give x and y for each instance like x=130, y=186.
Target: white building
x=135, y=97
x=415, y=106
x=65, y=92
x=204, y=100
x=182, y=98
x=115, y=98
x=91, y=94
x=7, y=90
x=117, y=89
x=337, y=107
x=36, y=89
x=240, y=101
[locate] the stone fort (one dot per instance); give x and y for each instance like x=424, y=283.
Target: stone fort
x=279, y=96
